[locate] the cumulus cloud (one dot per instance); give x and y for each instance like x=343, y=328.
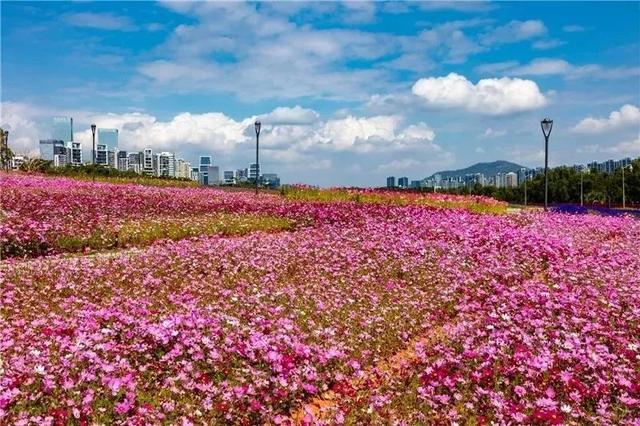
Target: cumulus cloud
x=626, y=116
x=493, y=96
x=286, y=115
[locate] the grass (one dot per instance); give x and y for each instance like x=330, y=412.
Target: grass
x=140, y=233
x=310, y=194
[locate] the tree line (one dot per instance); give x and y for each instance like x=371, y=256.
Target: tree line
x=564, y=187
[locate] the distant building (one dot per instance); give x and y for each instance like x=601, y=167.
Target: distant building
x=391, y=182
x=511, y=180
x=109, y=138
x=403, y=182
x=102, y=157
x=203, y=175
x=271, y=179
x=48, y=148
x=74, y=153
x=183, y=169
x=242, y=175
x=254, y=171
x=213, y=175
x=17, y=161
x=229, y=177
x=147, y=162
x=134, y=160
x=62, y=129
x=416, y=184
x=195, y=174
x=123, y=161
x=166, y=164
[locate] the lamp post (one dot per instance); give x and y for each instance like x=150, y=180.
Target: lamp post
x=6, y=147
x=546, y=125
x=93, y=135
x=525, y=189
x=257, y=126
x=624, y=199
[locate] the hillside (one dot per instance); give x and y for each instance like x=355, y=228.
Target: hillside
x=488, y=169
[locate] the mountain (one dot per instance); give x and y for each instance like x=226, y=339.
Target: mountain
x=488, y=169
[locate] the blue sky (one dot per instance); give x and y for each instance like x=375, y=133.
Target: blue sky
x=348, y=92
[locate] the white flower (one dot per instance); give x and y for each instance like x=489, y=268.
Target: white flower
x=565, y=408
x=39, y=369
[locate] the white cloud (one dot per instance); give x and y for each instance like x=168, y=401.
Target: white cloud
x=492, y=133
x=547, y=44
x=627, y=115
x=402, y=164
x=514, y=31
x=286, y=132
x=489, y=96
x=286, y=115
x=628, y=148
x=101, y=21
x=550, y=66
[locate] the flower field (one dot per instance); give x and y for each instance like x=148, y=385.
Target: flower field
x=216, y=307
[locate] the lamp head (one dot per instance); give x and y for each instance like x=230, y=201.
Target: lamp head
x=93, y=128
x=257, y=125
x=547, y=125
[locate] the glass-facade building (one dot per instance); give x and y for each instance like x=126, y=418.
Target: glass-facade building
x=62, y=129
x=50, y=147
x=108, y=138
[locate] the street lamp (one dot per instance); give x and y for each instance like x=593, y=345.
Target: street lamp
x=546, y=125
x=624, y=199
x=257, y=125
x=525, y=188
x=93, y=133
x=6, y=146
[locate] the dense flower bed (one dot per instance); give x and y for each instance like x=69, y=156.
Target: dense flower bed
x=520, y=318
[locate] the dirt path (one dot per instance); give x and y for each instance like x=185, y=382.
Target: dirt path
x=320, y=408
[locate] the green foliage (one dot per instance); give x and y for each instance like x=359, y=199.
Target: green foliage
x=564, y=187
x=144, y=232
x=103, y=174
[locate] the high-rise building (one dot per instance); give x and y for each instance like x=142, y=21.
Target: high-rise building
x=213, y=173
x=183, y=168
x=134, y=160
x=102, y=155
x=147, y=162
x=510, y=180
x=203, y=167
x=109, y=138
x=403, y=182
x=123, y=161
x=254, y=171
x=195, y=174
x=74, y=153
x=62, y=129
x=166, y=164
x=48, y=148
x=391, y=182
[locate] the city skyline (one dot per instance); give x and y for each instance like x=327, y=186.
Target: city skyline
x=367, y=90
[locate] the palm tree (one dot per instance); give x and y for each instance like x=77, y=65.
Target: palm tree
x=6, y=155
x=35, y=165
